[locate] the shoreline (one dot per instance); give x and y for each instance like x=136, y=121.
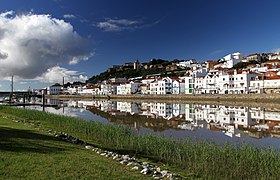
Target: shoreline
x=189, y=159
x=250, y=100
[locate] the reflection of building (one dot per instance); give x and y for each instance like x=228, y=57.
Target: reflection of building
x=226, y=118
x=128, y=107
x=233, y=121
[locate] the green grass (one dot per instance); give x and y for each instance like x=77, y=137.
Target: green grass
x=189, y=158
x=26, y=153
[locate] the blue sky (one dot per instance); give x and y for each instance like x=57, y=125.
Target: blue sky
x=113, y=32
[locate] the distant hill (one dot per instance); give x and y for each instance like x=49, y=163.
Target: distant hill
x=130, y=70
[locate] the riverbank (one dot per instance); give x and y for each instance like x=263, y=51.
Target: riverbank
x=191, y=158
x=250, y=100
x=29, y=153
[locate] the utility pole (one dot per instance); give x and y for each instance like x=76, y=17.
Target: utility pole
x=12, y=89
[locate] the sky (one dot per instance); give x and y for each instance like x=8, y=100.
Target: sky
x=43, y=41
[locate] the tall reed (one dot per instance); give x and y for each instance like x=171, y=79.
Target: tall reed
x=202, y=158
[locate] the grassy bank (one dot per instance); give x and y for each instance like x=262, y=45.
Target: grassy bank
x=201, y=159
x=26, y=153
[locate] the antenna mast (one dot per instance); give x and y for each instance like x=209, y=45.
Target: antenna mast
x=12, y=89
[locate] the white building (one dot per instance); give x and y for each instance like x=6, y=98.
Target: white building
x=55, y=89
x=189, y=85
x=129, y=88
x=145, y=87
x=187, y=63
x=108, y=88
x=259, y=69
x=88, y=90
x=178, y=86
x=230, y=60
x=273, y=56
x=161, y=86
x=224, y=82
x=72, y=90
x=236, y=82
x=268, y=84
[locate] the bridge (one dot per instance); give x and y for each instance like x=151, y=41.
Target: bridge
x=16, y=93
x=19, y=94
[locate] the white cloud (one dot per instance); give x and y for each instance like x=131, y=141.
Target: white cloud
x=216, y=52
x=76, y=59
x=3, y=55
x=8, y=13
x=114, y=25
x=31, y=45
x=117, y=24
x=276, y=50
x=55, y=74
x=69, y=16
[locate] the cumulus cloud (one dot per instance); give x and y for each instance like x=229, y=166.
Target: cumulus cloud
x=117, y=24
x=3, y=55
x=31, y=45
x=55, y=74
x=69, y=16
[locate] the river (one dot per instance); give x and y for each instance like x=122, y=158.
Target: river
x=221, y=124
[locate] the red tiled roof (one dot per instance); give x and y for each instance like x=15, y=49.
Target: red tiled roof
x=255, y=54
x=273, y=60
x=272, y=78
x=254, y=73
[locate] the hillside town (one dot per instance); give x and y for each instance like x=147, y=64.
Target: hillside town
x=232, y=74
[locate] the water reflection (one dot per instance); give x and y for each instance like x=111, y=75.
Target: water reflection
x=219, y=123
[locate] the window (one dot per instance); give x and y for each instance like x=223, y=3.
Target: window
x=224, y=79
x=241, y=78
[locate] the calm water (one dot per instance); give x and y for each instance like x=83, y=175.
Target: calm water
x=232, y=124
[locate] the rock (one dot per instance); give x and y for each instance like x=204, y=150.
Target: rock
x=130, y=163
x=145, y=171
x=88, y=147
x=124, y=162
x=115, y=157
x=126, y=157
x=156, y=177
x=164, y=173
x=135, y=168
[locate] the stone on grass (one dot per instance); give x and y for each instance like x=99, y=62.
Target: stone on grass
x=88, y=147
x=135, y=168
